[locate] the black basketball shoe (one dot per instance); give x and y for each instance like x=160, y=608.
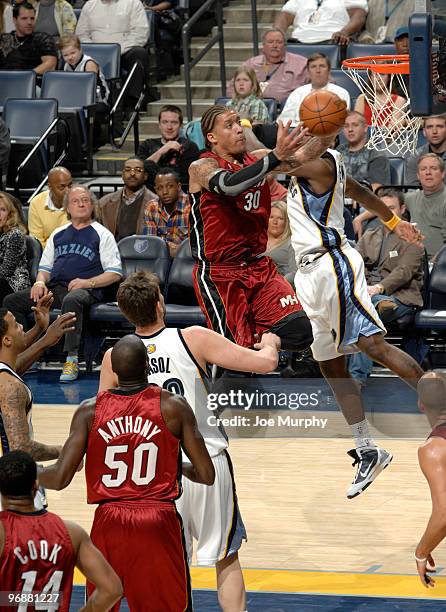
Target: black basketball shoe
x=371, y=461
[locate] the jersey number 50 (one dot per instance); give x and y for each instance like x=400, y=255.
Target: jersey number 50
x=122, y=466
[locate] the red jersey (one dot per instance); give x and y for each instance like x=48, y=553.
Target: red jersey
x=225, y=229
x=131, y=454
x=38, y=558
x=438, y=432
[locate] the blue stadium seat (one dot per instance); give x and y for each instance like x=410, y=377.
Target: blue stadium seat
x=396, y=170
x=331, y=51
x=33, y=254
x=181, y=302
x=76, y=94
x=27, y=120
x=108, y=56
x=16, y=84
x=270, y=103
x=343, y=80
x=364, y=50
x=433, y=315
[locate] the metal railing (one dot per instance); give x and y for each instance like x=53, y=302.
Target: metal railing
x=255, y=30
x=134, y=118
x=190, y=63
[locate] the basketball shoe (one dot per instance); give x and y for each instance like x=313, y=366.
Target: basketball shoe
x=371, y=461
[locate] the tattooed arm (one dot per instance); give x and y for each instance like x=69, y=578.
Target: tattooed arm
x=311, y=151
x=206, y=174
x=13, y=400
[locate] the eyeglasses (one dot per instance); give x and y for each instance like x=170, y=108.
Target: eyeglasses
x=135, y=170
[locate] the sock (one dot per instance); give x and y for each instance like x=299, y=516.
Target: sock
x=72, y=358
x=361, y=434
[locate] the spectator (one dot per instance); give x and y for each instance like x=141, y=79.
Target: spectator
x=389, y=113
x=427, y=206
x=170, y=150
x=46, y=211
x=401, y=41
x=246, y=100
x=278, y=71
x=434, y=130
x=384, y=18
x=279, y=246
x=14, y=274
x=77, y=61
x=316, y=21
x=319, y=67
x=167, y=37
x=168, y=215
x=24, y=49
x=361, y=163
x=123, y=22
x=394, y=275
x=5, y=148
x=79, y=260
x=6, y=21
x=55, y=17
x=122, y=212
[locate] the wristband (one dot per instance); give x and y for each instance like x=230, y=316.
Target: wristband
x=245, y=123
x=392, y=223
x=420, y=560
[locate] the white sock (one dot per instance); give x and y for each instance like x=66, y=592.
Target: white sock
x=361, y=434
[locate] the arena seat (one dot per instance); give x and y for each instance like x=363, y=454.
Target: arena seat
x=33, y=254
x=364, y=50
x=331, y=51
x=145, y=253
x=27, y=120
x=108, y=56
x=181, y=302
x=396, y=170
x=76, y=94
x=343, y=80
x=16, y=84
x=270, y=103
x=433, y=315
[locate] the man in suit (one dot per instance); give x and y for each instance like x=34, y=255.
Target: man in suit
x=394, y=274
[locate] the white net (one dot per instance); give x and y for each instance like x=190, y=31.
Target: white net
x=393, y=127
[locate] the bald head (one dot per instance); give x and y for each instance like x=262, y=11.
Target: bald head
x=59, y=181
x=432, y=392
x=129, y=360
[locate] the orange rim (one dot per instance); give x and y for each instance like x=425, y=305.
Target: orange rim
x=400, y=65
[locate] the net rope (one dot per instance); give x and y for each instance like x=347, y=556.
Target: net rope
x=394, y=128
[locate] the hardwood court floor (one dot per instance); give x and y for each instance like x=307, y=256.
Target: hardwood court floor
x=292, y=498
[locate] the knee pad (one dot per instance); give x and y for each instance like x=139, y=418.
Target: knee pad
x=294, y=331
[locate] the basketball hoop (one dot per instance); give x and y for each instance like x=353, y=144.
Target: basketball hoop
x=394, y=128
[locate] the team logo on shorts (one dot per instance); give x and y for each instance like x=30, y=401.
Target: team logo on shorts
x=151, y=348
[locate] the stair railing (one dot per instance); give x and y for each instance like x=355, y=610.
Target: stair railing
x=217, y=38
x=255, y=30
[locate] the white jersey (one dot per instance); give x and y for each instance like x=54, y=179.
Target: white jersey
x=317, y=221
x=173, y=367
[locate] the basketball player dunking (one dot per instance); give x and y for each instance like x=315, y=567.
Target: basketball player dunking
x=38, y=550
x=178, y=360
x=131, y=436
x=331, y=286
x=239, y=290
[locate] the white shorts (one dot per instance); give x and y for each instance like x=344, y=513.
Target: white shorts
x=333, y=292
x=211, y=515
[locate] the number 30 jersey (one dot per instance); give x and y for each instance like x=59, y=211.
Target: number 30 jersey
x=173, y=367
x=131, y=453
x=226, y=229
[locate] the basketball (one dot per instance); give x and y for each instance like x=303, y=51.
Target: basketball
x=323, y=112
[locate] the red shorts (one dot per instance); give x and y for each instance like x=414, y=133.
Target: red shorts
x=144, y=543
x=241, y=301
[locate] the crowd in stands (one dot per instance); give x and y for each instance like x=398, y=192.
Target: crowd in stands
x=45, y=34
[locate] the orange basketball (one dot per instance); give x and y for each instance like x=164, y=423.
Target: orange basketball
x=323, y=112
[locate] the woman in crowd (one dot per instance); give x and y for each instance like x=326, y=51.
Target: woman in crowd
x=14, y=274
x=279, y=241
x=389, y=105
x=77, y=61
x=247, y=96
x=54, y=17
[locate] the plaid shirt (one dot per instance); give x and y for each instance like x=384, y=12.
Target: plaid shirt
x=172, y=228
x=254, y=107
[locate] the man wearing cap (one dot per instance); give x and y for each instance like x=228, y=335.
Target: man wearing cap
x=401, y=42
